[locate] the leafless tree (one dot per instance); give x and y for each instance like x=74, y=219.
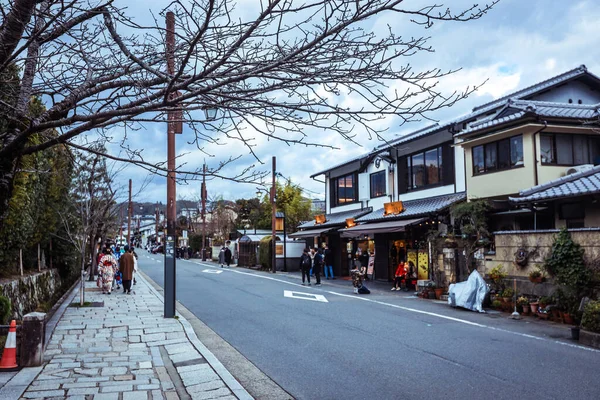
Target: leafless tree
x=286, y=68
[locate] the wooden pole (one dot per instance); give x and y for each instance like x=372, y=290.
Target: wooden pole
x=21, y=260
x=273, y=219
x=129, y=217
x=203, y=197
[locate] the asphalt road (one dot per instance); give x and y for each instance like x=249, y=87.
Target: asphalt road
x=385, y=345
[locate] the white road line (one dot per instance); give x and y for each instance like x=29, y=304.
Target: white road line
x=212, y=271
x=305, y=296
x=432, y=314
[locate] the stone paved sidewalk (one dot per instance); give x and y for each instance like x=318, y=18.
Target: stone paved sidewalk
x=126, y=350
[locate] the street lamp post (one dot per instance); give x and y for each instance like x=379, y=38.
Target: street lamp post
x=171, y=239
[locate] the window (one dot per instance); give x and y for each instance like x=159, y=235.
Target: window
x=378, y=184
x=425, y=169
x=345, y=190
x=497, y=156
x=565, y=149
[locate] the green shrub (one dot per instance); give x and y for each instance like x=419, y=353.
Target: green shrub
x=265, y=252
x=591, y=317
x=508, y=292
x=5, y=310
x=567, y=265
x=497, y=304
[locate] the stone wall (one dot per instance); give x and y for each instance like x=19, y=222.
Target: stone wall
x=538, y=244
x=28, y=292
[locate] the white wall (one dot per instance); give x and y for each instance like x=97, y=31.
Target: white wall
x=459, y=169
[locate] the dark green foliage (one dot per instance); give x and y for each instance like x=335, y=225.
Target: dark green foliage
x=5, y=310
x=591, y=317
x=196, y=242
x=265, y=252
x=567, y=265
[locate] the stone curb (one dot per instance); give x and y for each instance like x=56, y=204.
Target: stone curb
x=57, y=311
x=16, y=386
x=237, y=389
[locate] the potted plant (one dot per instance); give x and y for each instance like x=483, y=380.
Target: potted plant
x=534, y=305
x=524, y=303
x=507, y=295
x=536, y=276
x=497, y=275
x=497, y=304
x=544, y=301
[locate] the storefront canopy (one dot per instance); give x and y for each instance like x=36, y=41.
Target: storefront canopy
x=309, y=233
x=379, y=227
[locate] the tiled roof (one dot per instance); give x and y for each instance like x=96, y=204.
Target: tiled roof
x=522, y=108
x=577, y=184
x=417, y=134
x=414, y=208
x=336, y=218
x=520, y=94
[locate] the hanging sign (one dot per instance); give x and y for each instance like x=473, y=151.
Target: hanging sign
x=393, y=208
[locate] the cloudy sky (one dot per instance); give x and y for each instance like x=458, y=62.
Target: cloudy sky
x=517, y=44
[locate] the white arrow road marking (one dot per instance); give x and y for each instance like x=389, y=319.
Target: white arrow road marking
x=212, y=271
x=305, y=296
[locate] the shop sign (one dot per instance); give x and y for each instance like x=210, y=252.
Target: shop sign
x=393, y=208
x=279, y=249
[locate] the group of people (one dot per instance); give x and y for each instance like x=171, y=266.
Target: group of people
x=225, y=255
x=115, y=267
x=313, y=260
x=403, y=273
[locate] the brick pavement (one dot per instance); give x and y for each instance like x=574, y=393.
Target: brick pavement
x=126, y=350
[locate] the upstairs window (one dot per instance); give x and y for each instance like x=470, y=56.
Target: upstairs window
x=377, y=184
x=497, y=156
x=425, y=169
x=566, y=149
x=345, y=190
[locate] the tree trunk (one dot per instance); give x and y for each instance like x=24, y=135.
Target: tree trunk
x=7, y=177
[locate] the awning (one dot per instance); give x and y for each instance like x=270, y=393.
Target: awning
x=379, y=227
x=309, y=233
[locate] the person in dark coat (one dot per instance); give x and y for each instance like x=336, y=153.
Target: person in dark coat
x=126, y=266
x=318, y=263
x=227, y=254
x=305, y=264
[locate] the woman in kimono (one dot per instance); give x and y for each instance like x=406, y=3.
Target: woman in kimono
x=107, y=269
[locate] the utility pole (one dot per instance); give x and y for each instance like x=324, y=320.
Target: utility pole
x=273, y=221
x=121, y=223
x=156, y=222
x=203, y=197
x=171, y=239
x=129, y=217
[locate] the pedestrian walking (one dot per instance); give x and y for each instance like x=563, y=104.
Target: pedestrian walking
x=305, y=264
x=328, y=262
x=106, y=270
x=312, y=253
x=135, y=266
x=227, y=256
x=126, y=264
x=318, y=264
x=222, y=256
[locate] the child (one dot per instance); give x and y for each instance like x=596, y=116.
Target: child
x=118, y=279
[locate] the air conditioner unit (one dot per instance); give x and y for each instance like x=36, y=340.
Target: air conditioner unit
x=578, y=168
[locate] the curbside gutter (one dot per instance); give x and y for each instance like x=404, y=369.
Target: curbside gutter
x=236, y=388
